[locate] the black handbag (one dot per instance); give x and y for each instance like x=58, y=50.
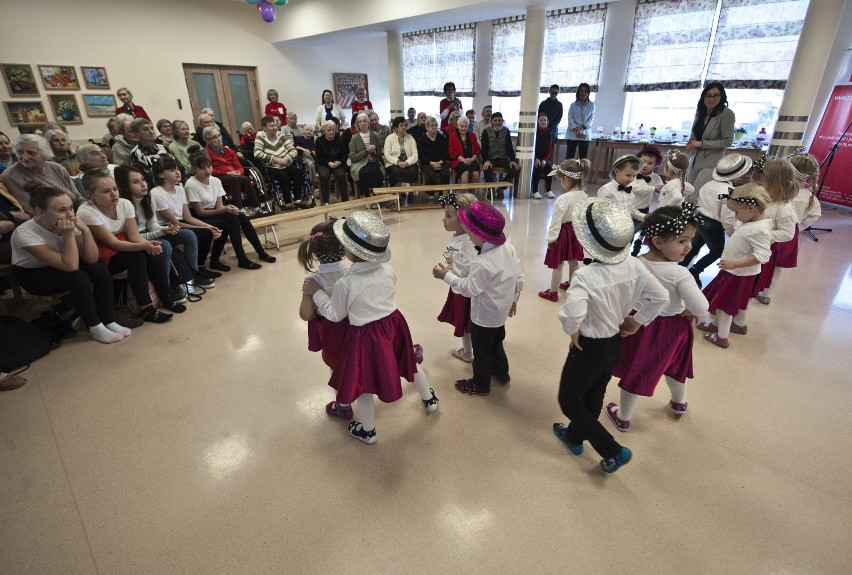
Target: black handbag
x=21, y=343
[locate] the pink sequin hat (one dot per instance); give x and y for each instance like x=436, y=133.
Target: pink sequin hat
x=484, y=221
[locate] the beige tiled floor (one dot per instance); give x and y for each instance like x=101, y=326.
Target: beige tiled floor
x=201, y=446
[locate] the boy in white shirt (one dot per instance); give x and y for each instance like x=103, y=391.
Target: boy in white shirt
x=620, y=187
x=647, y=180
x=494, y=285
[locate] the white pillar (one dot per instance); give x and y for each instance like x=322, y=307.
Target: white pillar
x=483, y=67
x=395, y=75
x=611, y=99
x=530, y=95
x=809, y=63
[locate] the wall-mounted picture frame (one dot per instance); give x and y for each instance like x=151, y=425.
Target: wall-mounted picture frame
x=65, y=108
x=20, y=80
x=24, y=112
x=99, y=105
x=59, y=77
x=345, y=85
x=95, y=77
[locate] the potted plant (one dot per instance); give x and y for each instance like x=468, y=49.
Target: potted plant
x=739, y=134
x=66, y=110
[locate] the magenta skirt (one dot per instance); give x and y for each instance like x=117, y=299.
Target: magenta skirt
x=373, y=358
x=729, y=293
x=663, y=347
x=456, y=312
x=327, y=336
x=565, y=248
x=784, y=255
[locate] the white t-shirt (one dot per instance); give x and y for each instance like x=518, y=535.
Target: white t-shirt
x=92, y=216
x=684, y=293
x=205, y=194
x=30, y=233
x=163, y=200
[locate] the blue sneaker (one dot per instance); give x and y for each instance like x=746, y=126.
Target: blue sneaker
x=611, y=465
x=561, y=432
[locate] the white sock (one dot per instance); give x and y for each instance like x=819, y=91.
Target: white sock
x=740, y=318
x=723, y=320
x=421, y=384
x=119, y=329
x=367, y=411
x=556, y=278
x=627, y=405
x=102, y=334
x=776, y=277
x=678, y=389
x=467, y=344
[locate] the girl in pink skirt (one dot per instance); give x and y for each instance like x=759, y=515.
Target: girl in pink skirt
x=562, y=244
x=776, y=177
x=377, y=350
x=664, y=346
x=459, y=253
x=746, y=250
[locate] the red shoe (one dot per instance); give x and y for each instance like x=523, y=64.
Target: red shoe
x=418, y=353
x=564, y=285
x=337, y=410
x=549, y=295
x=716, y=340
x=708, y=327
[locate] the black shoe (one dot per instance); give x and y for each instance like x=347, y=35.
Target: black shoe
x=203, y=281
x=267, y=258
x=127, y=318
x=154, y=315
x=203, y=271
x=217, y=265
x=249, y=265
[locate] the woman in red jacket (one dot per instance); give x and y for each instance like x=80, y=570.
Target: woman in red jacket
x=275, y=108
x=227, y=167
x=464, y=153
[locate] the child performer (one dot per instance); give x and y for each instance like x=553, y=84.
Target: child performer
x=595, y=315
x=663, y=347
x=731, y=289
x=676, y=189
x=494, y=285
x=459, y=254
x=806, y=169
x=377, y=350
x=647, y=180
x=710, y=202
x=776, y=177
x=562, y=244
x=620, y=186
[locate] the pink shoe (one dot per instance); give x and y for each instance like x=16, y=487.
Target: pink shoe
x=549, y=295
x=564, y=285
x=708, y=327
x=678, y=408
x=337, y=410
x=418, y=353
x=612, y=414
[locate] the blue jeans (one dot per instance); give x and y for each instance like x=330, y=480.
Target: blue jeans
x=183, y=238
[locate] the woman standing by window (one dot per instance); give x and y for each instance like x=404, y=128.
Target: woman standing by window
x=581, y=115
x=712, y=132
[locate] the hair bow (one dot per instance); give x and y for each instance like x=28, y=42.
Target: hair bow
x=760, y=164
x=669, y=166
x=749, y=201
x=688, y=215
x=449, y=200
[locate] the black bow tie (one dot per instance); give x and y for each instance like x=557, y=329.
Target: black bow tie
x=478, y=249
x=646, y=178
x=590, y=261
x=625, y=189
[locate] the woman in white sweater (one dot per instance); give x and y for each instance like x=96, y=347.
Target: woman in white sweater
x=400, y=154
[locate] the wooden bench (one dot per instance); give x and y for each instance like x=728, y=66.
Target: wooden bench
x=268, y=222
x=489, y=187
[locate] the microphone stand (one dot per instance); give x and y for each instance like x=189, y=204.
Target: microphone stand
x=827, y=163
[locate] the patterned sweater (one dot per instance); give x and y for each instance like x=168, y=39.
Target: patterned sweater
x=266, y=151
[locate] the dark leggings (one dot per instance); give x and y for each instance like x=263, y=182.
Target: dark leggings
x=139, y=272
x=339, y=174
x=397, y=175
x=370, y=177
x=205, y=240
x=436, y=177
x=711, y=233
x=289, y=181
x=233, y=227
x=236, y=186
x=538, y=174
x=572, y=147
x=90, y=287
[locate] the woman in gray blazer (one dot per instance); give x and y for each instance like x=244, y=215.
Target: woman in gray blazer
x=366, y=159
x=712, y=132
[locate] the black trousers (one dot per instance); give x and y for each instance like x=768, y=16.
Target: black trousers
x=139, y=272
x=397, y=175
x=325, y=173
x=233, y=227
x=489, y=358
x=541, y=173
x=511, y=173
x=582, y=388
x=712, y=233
x=205, y=240
x=435, y=177
x=369, y=178
x=90, y=287
x=572, y=148
x=289, y=181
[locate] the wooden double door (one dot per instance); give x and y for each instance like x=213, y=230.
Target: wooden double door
x=230, y=91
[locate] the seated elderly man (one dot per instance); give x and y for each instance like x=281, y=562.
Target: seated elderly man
x=34, y=165
x=278, y=156
x=380, y=130
x=205, y=122
x=124, y=141
x=497, y=151
x=108, y=139
x=93, y=155
x=147, y=150
x=419, y=128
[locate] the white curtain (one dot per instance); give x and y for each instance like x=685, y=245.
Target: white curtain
x=433, y=57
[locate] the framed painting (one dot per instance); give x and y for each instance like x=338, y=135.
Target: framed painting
x=65, y=108
x=20, y=79
x=98, y=105
x=95, y=77
x=59, y=77
x=344, y=88
x=22, y=112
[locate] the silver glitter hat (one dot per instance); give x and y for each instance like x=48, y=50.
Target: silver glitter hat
x=731, y=166
x=604, y=228
x=365, y=236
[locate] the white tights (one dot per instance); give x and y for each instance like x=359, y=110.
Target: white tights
x=723, y=322
x=467, y=344
x=556, y=275
x=629, y=400
x=776, y=277
x=367, y=404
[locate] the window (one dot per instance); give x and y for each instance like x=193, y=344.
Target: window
x=433, y=57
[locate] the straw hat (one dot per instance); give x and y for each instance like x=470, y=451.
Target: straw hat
x=731, y=167
x=365, y=236
x=621, y=160
x=604, y=228
x=484, y=221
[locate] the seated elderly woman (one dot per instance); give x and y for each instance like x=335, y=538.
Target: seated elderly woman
x=166, y=133
x=306, y=146
x=365, y=154
x=7, y=158
x=433, y=149
x=464, y=154
x=108, y=139
x=331, y=160
x=144, y=153
x=34, y=165
x=182, y=143
x=62, y=153
x=291, y=129
x=124, y=142
x=93, y=155
x=400, y=153
x=227, y=167
x=452, y=124
x=278, y=156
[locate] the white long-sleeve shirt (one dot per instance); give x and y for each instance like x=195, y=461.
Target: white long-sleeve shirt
x=626, y=199
x=684, y=293
x=806, y=215
x=366, y=293
x=644, y=191
x=327, y=275
x=749, y=239
x=601, y=296
x=563, y=207
x=460, y=252
x=671, y=194
x=709, y=204
x=783, y=218
x=494, y=283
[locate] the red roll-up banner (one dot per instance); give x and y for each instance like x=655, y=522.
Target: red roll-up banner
x=837, y=188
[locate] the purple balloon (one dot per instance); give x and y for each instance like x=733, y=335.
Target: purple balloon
x=267, y=11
